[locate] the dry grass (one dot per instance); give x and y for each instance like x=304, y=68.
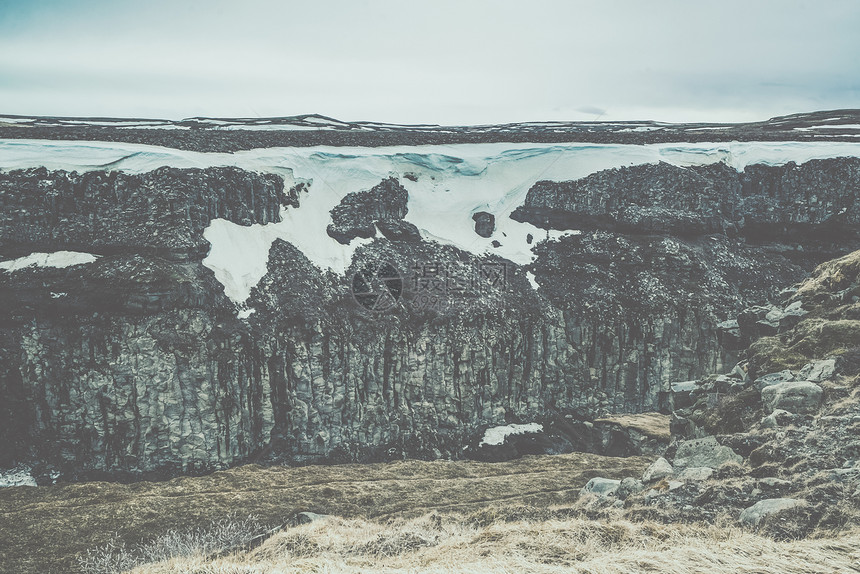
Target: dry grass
x=45, y=529
x=653, y=425
x=434, y=543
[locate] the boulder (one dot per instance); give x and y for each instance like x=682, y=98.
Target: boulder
x=818, y=371
x=753, y=515
x=774, y=378
x=682, y=393
x=704, y=452
x=359, y=211
x=799, y=397
x=485, y=223
x=601, y=487
x=774, y=483
x=786, y=318
x=659, y=469
x=753, y=323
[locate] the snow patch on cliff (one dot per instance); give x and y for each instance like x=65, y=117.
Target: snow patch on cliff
x=59, y=259
x=19, y=476
x=496, y=435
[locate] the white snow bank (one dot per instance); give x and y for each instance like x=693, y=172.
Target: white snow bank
x=58, y=259
x=496, y=435
x=453, y=183
x=245, y=313
x=838, y=127
x=19, y=476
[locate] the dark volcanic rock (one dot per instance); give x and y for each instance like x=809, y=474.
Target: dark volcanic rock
x=399, y=230
x=645, y=199
x=358, y=212
x=163, y=212
x=815, y=203
x=137, y=364
x=485, y=223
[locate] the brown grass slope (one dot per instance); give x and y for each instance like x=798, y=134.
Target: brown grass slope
x=44, y=529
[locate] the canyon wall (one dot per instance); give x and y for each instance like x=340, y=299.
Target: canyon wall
x=137, y=364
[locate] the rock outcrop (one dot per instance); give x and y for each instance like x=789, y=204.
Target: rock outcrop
x=358, y=212
x=768, y=449
x=162, y=212
x=137, y=364
x=485, y=223
x=814, y=203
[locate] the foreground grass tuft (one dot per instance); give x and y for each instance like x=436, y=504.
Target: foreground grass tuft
x=116, y=556
x=436, y=543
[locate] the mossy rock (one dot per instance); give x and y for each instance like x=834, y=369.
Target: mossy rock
x=811, y=339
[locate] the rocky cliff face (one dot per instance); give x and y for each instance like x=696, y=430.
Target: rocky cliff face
x=162, y=212
x=359, y=212
x=137, y=363
x=761, y=203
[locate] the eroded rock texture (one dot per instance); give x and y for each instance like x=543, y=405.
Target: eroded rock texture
x=357, y=213
x=764, y=203
x=162, y=212
x=138, y=364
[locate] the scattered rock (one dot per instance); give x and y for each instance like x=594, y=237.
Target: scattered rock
x=785, y=319
x=659, y=469
x=485, y=223
x=799, y=397
x=753, y=515
x=774, y=378
x=308, y=517
x=629, y=486
x=704, y=452
x=818, y=371
x=777, y=419
x=601, y=487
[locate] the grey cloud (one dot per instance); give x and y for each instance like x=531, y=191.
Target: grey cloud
x=443, y=61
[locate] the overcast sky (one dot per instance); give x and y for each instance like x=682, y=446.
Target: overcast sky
x=457, y=62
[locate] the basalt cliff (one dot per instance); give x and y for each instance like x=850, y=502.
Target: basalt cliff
x=136, y=364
